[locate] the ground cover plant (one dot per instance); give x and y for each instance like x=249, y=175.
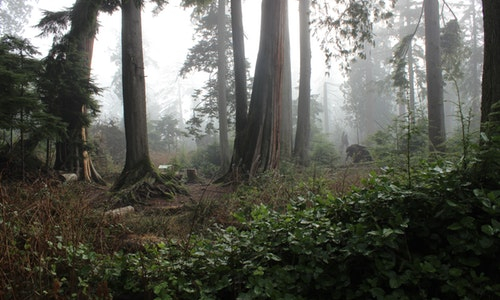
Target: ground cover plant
x=384, y=239
x=438, y=240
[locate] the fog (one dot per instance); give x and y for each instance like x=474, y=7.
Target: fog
x=167, y=38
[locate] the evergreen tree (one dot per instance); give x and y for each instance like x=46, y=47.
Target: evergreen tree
x=138, y=179
x=261, y=137
x=210, y=55
x=303, y=135
x=24, y=120
x=240, y=89
x=68, y=87
x=14, y=14
x=435, y=104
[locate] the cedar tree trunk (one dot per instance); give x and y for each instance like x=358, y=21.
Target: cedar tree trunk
x=303, y=135
x=138, y=179
x=435, y=105
x=262, y=133
x=222, y=86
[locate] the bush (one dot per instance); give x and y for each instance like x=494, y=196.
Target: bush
x=324, y=153
x=438, y=240
x=207, y=160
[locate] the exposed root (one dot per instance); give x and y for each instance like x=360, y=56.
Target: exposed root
x=149, y=185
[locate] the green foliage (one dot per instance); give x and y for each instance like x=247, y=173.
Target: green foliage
x=489, y=154
x=21, y=106
x=348, y=26
x=24, y=119
x=52, y=242
x=436, y=241
x=399, y=62
x=203, y=57
x=401, y=139
x=207, y=160
x=108, y=142
x=324, y=153
x=164, y=134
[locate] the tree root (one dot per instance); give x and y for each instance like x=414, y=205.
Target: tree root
x=133, y=190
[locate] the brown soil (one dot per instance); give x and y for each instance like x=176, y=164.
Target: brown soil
x=196, y=192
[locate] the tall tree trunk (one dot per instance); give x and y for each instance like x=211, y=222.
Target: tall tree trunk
x=475, y=63
x=134, y=87
x=435, y=104
x=411, y=82
x=491, y=65
x=72, y=151
x=222, y=86
x=262, y=148
x=138, y=179
x=240, y=90
x=369, y=124
x=89, y=172
x=286, y=130
x=326, y=111
x=488, y=168
x=303, y=135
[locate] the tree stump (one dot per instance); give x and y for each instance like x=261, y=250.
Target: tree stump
x=192, y=176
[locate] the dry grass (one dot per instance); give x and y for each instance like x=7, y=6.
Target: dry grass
x=38, y=220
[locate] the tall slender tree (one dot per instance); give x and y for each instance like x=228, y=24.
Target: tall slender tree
x=68, y=88
x=240, y=88
x=138, y=175
x=473, y=90
x=225, y=156
x=303, y=135
x=286, y=127
x=435, y=102
x=489, y=166
x=134, y=91
x=491, y=66
x=260, y=141
x=210, y=55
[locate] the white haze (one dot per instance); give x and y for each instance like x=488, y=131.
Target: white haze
x=167, y=38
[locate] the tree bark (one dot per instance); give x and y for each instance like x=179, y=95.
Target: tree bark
x=489, y=157
x=222, y=86
x=369, y=123
x=240, y=81
x=475, y=64
x=286, y=130
x=134, y=87
x=262, y=147
x=411, y=82
x=491, y=65
x=138, y=179
x=303, y=135
x=71, y=152
x=435, y=104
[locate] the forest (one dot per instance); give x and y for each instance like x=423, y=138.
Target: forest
x=382, y=184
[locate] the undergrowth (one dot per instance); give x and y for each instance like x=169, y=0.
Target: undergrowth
x=438, y=240
x=294, y=236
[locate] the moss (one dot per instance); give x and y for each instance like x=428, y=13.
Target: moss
x=141, y=182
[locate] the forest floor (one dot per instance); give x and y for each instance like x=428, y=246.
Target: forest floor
x=159, y=219
x=207, y=205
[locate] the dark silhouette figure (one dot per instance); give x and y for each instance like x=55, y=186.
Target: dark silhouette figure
x=345, y=141
x=358, y=153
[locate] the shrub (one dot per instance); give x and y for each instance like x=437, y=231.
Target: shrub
x=438, y=240
x=324, y=153
x=207, y=160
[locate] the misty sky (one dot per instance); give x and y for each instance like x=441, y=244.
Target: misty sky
x=167, y=38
